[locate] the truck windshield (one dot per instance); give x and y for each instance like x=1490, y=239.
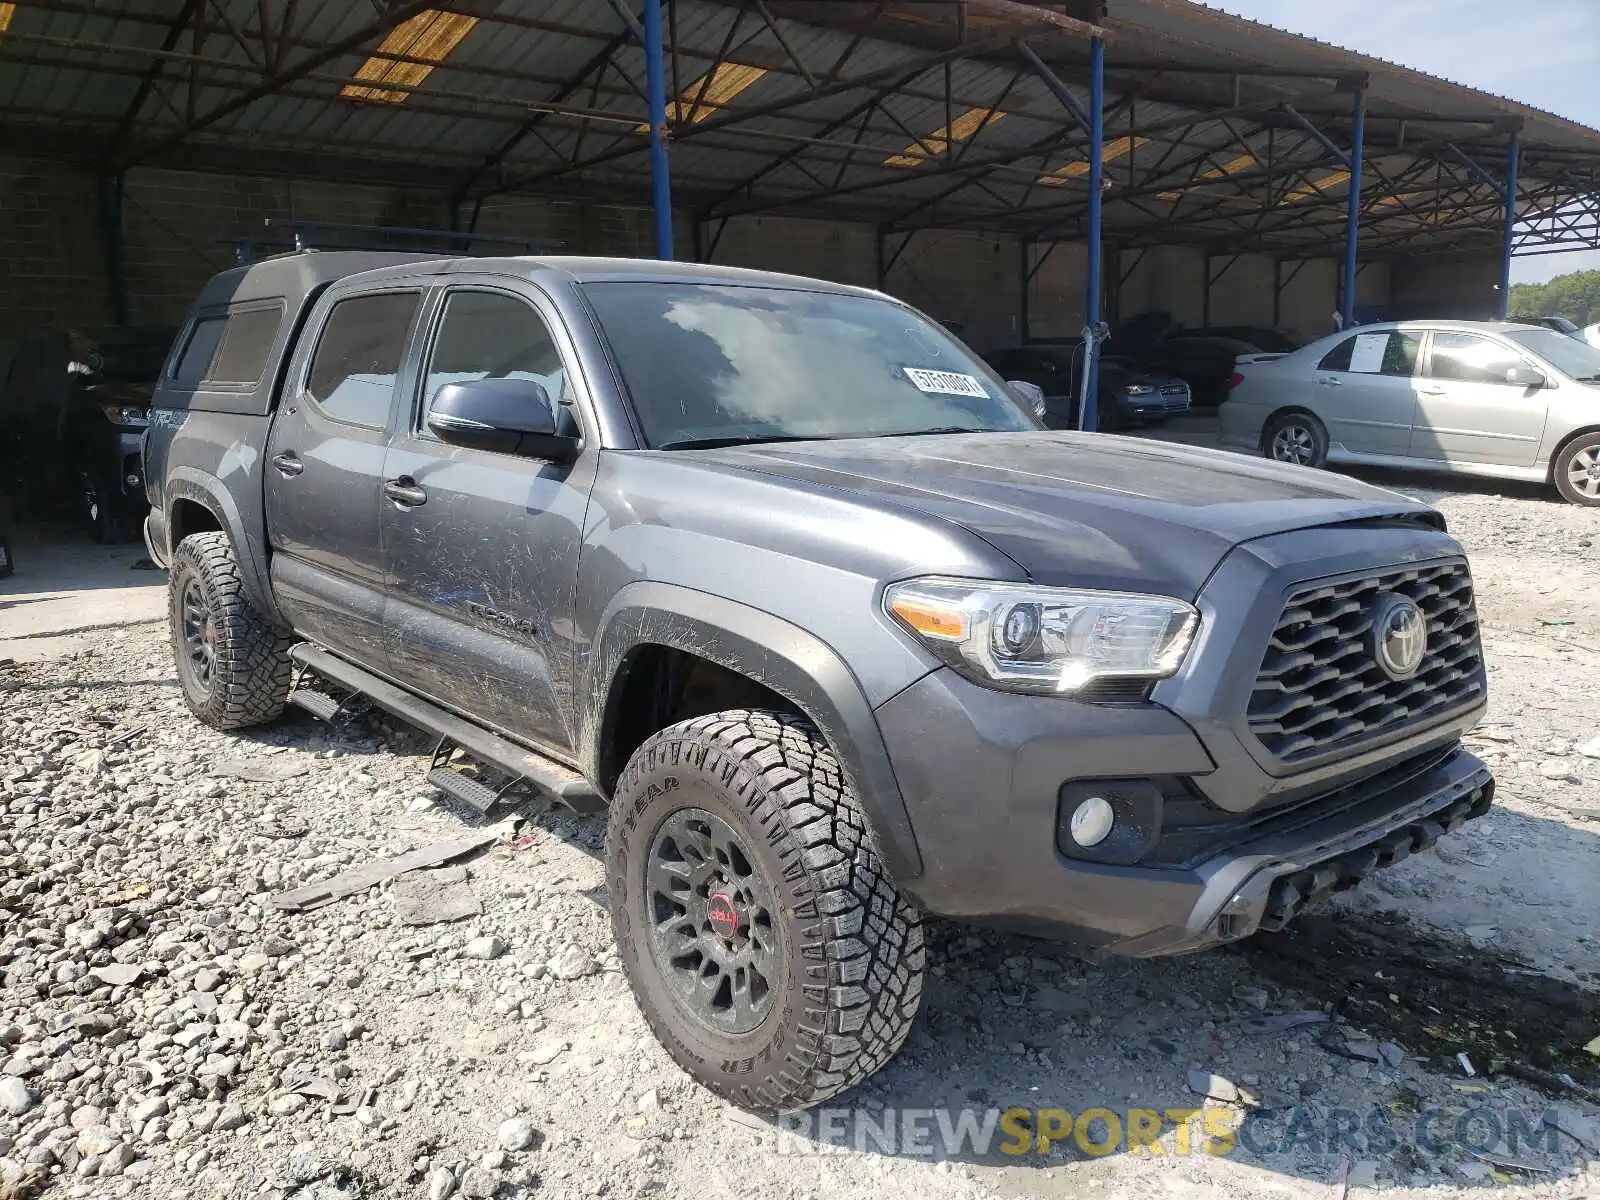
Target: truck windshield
x=711, y=364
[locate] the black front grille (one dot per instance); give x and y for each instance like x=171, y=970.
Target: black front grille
x=1320, y=687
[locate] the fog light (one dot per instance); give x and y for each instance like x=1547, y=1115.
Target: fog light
x=131, y=479
x=1092, y=821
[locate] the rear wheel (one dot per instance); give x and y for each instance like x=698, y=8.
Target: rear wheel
x=232, y=662
x=1577, y=470
x=764, y=941
x=1296, y=437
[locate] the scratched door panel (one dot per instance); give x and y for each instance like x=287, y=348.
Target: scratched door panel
x=482, y=571
x=482, y=583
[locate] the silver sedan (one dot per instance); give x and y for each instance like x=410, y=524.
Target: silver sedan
x=1480, y=398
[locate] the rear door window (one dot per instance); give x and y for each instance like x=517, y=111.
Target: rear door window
x=231, y=348
x=1393, y=353
x=353, y=372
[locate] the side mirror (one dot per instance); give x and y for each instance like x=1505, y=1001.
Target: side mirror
x=1031, y=394
x=1526, y=377
x=514, y=416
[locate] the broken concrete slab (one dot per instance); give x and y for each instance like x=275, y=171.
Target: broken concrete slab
x=274, y=769
x=421, y=899
x=1577, y=1127
x=118, y=974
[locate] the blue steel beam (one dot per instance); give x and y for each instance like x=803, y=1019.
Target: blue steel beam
x=1513, y=153
x=1352, y=229
x=1091, y=305
x=656, y=90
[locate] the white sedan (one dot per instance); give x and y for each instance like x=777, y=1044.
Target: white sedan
x=1481, y=398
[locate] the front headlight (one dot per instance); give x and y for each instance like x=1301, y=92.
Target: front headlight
x=1138, y=389
x=1043, y=639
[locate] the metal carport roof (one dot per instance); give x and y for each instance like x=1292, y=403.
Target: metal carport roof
x=1220, y=132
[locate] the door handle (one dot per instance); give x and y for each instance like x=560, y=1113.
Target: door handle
x=1330, y=381
x=288, y=464
x=1433, y=391
x=405, y=492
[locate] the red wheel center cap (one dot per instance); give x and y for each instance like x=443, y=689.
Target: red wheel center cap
x=721, y=914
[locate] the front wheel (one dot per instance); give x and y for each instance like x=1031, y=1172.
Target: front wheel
x=1577, y=470
x=232, y=661
x=768, y=949
x=1296, y=437
x=99, y=514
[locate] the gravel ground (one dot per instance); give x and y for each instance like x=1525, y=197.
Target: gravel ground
x=165, y=1031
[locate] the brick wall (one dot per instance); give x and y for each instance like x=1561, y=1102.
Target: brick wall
x=51, y=262
x=179, y=226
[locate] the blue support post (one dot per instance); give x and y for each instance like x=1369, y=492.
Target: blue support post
x=1091, y=305
x=1512, y=155
x=656, y=90
x=1352, y=228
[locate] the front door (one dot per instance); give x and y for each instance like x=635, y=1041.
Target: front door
x=325, y=468
x=1365, y=391
x=1468, y=412
x=483, y=555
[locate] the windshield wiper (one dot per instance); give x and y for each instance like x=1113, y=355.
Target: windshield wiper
x=713, y=443
x=1587, y=378
x=936, y=429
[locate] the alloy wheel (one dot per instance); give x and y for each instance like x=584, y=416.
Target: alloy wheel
x=713, y=921
x=1294, y=444
x=199, y=634
x=1583, y=473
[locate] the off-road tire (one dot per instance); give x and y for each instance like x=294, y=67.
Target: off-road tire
x=852, y=946
x=252, y=670
x=1585, y=445
x=1305, y=430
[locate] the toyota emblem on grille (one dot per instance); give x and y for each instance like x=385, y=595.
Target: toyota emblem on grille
x=1400, y=636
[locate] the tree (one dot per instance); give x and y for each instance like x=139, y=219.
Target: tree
x=1575, y=296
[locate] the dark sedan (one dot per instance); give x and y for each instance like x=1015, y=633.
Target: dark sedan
x=1128, y=395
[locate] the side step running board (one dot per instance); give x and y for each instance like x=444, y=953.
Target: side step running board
x=561, y=783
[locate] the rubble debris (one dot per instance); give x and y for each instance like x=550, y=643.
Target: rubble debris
x=1216, y=1087
x=1282, y=1022
x=359, y=879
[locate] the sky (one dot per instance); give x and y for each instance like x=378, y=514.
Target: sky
x=1540, y=52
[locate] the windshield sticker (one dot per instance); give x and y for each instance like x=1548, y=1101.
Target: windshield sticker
x=945, y=383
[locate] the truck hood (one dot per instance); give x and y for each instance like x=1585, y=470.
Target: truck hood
x=1088, y=510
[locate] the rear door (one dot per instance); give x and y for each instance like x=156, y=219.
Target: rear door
x=1468, y=412
x=1364, y=389
x=325, y=468
x=483, y=560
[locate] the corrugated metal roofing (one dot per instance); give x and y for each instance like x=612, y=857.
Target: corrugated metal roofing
x=544, y=96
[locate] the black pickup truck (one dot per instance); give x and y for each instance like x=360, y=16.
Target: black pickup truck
x=779, y=573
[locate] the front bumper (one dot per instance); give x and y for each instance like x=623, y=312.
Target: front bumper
x=983, y=772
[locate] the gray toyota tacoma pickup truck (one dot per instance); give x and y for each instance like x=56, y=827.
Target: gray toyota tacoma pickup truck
x=781, y=575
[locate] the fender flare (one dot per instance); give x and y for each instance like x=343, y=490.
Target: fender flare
x=777, y=654
x=187, y=483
